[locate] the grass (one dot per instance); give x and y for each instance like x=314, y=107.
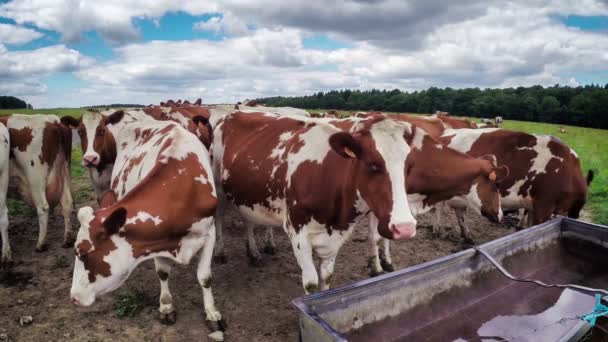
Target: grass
x=61, y=261
x=129, y=304
x=591, y=146
x=76, y=112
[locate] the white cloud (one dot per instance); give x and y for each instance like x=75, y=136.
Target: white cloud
x=21, y=71
x=228, y=25
x=12, y=34
x=393, y=43
x=112, y=18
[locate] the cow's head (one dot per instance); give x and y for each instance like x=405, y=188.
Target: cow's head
x=484, y=197
x=204, y=131
x=380, y=149
x=98, y=144
x=104, y=259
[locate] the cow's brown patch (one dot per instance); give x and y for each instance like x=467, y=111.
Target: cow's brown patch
x=20, y=138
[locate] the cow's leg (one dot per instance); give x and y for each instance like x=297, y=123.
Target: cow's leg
x=385, y=256
x=6, y=247
x=42, y=210
x=437, y=221
x=168, y=314
x=374, y=239
x=464, y=230
x=219, y=255
x=523, y=218
x=327, y=270
x=255, y=258
x=67, y=205
x=302, y=249
x=270, y=247
x=203, y=274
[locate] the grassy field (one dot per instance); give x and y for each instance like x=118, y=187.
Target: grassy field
x=590, y=144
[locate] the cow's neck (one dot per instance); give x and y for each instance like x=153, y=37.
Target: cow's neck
x=442, y=173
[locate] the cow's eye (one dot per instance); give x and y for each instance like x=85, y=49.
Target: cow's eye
x=373, y=167
x=101, y=132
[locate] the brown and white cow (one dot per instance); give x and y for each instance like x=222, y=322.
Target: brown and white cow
x=39, y=168
x=314, y=180
x=437, y=174
x=455, y=123
x=5, y=150
x=162, y=207
x=545, y=174
x=99, y=145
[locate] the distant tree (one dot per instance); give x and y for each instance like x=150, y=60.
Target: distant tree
x=585, y=105
x=11, y=102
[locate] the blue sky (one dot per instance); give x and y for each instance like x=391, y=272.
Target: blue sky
x=228, y=51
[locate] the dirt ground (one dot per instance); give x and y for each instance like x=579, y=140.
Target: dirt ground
x=255, y=301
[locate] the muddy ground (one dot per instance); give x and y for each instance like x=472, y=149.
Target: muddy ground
x=255, y=301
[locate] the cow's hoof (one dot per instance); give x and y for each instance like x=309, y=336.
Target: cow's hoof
x=42, y=248
x=6, y=264
x=168, y=318
x=220, y=259
x=468, y=241
x=69, y=242
x=256, y=262
x=270, y=250
x=374, y=273
x=386, y=266
x=220, y=325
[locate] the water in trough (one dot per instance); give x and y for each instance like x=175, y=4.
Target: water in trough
x=497, y=309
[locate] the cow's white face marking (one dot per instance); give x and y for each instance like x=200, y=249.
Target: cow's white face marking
x=90, y=121
x=391, y=144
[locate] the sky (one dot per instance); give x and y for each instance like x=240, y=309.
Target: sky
x=70, y=53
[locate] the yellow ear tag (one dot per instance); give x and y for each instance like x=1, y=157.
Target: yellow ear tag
x=492, y=176
x=349, y=152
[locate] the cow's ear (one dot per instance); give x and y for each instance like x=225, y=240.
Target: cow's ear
x=199, y=119
x=70, y=121
x=115, y=117
x=491, y=158
x=117, y=219
x=498, y=174
x=345, y=145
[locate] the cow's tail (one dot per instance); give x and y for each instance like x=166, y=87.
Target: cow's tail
x=590, y=176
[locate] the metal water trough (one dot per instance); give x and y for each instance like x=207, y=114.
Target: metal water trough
x=462, y=296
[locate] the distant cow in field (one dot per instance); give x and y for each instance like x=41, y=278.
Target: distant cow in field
x=161, y=206
x=498, y=121
x=314, y=180
x=40, y=155
x=455, y=123
x=545, y=174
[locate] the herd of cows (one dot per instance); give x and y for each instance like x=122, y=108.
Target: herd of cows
x=164, y=176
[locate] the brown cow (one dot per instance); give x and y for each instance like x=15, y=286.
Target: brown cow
x=40, y=168
x=545, y=178
x=452, y=122
x=314, y=180
x=161, y=206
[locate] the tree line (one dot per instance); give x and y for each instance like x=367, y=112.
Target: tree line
x=578, y=106
x=11, y=102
